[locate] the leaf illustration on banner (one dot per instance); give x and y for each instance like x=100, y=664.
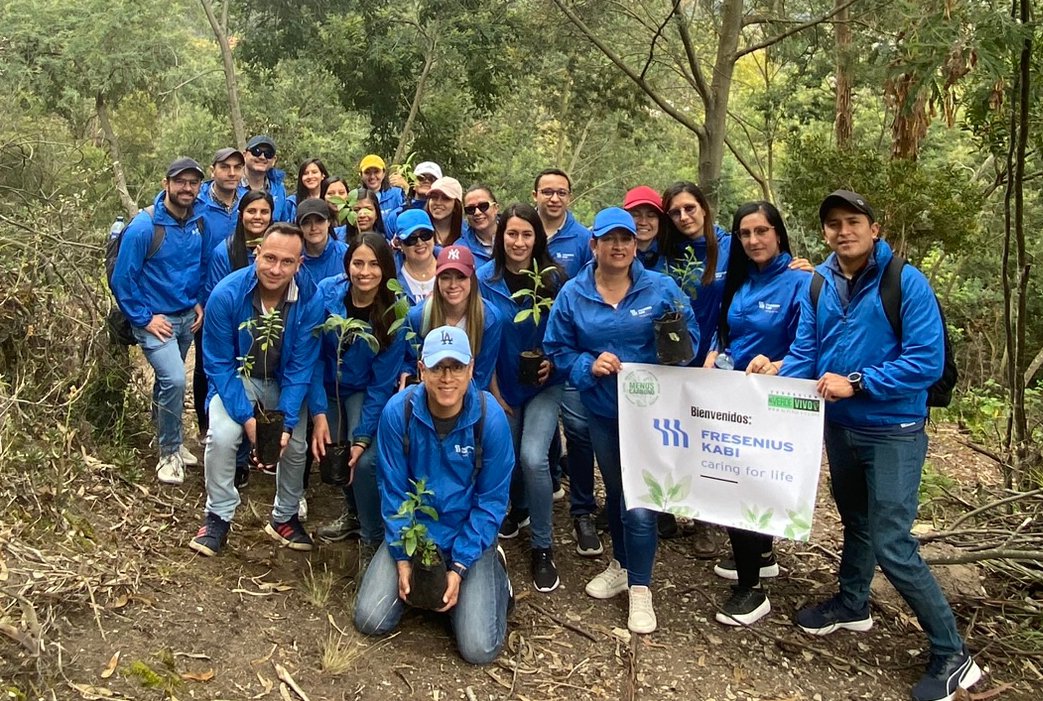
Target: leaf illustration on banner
x=655, y=490
x=679, y=491
x=757, y=521
x=799, y=526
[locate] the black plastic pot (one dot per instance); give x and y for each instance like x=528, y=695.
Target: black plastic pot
x=427, y=584
x=529, y=363
x=269, y=436
x=673, y=345
x=333, y=468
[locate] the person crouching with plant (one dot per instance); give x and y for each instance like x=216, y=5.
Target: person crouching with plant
x=445, y=462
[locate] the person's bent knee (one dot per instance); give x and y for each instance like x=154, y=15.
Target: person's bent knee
x=373, y=622
x=479, y=649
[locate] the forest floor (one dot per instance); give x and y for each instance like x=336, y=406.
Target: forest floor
x=187, y=627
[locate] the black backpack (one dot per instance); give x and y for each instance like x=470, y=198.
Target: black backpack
x=118, y=325
x=478, y=427
x=940, y=393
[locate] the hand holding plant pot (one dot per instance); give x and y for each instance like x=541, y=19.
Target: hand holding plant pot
x=673, y=345
x=426, y=585
x=533, y=366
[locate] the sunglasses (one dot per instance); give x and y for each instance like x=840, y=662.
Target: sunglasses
x=416, y=238
x=262, y=152
x=482, y=207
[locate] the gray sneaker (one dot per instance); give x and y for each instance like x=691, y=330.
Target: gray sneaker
x=345, y=526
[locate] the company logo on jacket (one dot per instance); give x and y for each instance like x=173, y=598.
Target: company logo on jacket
x=464, y=450
x=769, y=307
x=643, y=311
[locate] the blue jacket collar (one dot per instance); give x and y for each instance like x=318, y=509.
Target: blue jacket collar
x=776, y=266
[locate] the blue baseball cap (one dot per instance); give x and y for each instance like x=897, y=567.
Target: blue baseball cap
x=413, y=220
x=446, y=342
x=611, y=219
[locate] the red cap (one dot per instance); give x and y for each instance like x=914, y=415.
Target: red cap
x=643, y=194
x=458, y=258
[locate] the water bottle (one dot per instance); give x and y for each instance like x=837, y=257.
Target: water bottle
x=117, y=227
x=724, y=361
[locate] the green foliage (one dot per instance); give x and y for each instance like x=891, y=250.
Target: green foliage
x=667, y=496
x=687, y=273
x=756, y=519
x=164, y=680
x=400, y=310
x=345, y=207
x=269, y=327
x=413, y=536
x=538, y=304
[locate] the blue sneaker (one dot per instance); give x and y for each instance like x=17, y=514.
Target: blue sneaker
x=290, y=533
x=945, y=675
x=211, y=536
x=831, y=615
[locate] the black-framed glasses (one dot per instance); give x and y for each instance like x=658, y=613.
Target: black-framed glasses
x=262, y=152
x=417, y=237
x=482, y=207
x=550, y=192
x=689, y=210
x=451, y=369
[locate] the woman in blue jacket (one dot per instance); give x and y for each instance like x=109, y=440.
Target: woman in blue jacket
x=602, y=318
x=758, y=322
x=237, y=251
x=417, y=262
x=353, y=380
x=309, y=184
x=532, y=410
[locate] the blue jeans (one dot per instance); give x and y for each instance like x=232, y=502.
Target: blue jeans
x=581, y=455
x=875, y=480
x=222, y=442
x=167, y=359
x=533, y=426
x=479, y=618
x=362, y=493
x=634, y=536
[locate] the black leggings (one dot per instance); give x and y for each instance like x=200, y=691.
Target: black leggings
x=199, y=386
x=747, y=548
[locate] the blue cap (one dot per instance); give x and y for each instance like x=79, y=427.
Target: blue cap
x=610, y=219
x=413, y=220
x=445, y=342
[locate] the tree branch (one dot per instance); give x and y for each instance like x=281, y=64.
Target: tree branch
x=693, y=61
x=655, y=38
x=761, y=182
x=794, y=30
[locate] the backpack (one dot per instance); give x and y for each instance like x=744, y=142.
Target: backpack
x=478, y=427
x=118, y=325
x=940, y=393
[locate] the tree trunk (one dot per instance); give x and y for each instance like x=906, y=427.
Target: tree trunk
x=843, y=126
x=418, y=95
x=129, y=205
x=711, y=151
x=238, y=126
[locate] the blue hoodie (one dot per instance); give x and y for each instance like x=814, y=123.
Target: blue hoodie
x=895, y=372
x=219, y=266
x=515, y=338
x=582, y=326
x=570, y=247
x=329, y=263
x=470, y=505
x=706, y=299
x=360, y=369
x=276, y=187
x=224, y=341
x=170, y=280
x=220, y=220
x=484, y=363
x=482, y=254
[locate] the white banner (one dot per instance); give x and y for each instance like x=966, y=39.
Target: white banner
x=734, y=449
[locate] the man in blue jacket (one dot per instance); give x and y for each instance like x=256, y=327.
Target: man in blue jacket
x=157, y=288
x=468, y=468
x=876, y=388
x=261, y=174
x=247, y=366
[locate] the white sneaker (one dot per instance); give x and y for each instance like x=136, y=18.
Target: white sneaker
x=187, y=458
x=642, y=616
x=302, y=509
x=609, y=583
x=170, y=469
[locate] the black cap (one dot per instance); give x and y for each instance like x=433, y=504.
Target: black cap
x=313, y=206
x=223, y=154
x=260, y=140
x=845, y=198
x=181, y=165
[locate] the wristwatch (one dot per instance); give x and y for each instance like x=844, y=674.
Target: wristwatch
x=459, y=569
x=855, y=379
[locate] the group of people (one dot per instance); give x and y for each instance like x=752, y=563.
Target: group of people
x=445, y=339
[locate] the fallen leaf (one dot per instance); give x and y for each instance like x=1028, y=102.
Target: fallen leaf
x=121, y=601
x=198, y=676
x=111, y=666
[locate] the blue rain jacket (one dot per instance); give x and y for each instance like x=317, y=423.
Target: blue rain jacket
x=329, y=263
x=570, y=247
x=276, y=187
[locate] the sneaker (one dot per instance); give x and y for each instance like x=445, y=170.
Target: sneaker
x=559, y=491
x=601, y=521
x=745, y=607
x=242, y=476
x=302, y=509
x=170, y=469
x=512, y=524
x=727, y=569
x=642, y=616
x=210, y=536
x=945, y=675
x=290, y=533
x=187, y=458
x=666, y=526
x=831, y=615
x=609, y=583
x=587, y=542
x=345, y=525
x=544, y=573
x=510, y=587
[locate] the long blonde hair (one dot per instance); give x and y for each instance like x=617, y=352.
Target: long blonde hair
x=434, y=314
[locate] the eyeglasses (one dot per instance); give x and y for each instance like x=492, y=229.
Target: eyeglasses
x=551, y=192
x=262, y=152
x=689, y=210
x=482, y=207
x=756, y=231
x=450, y=369
x=186, y=182
x=415, y=238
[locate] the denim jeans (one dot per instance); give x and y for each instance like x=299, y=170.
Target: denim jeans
x=167, y=359
x=479, y=618
x=362, y=493
x=875, y=480
x=634, y=536
x=222, y=443
x=533, y=426
x=581, y=455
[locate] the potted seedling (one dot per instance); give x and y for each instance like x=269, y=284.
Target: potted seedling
x=688, y=273
x=427, y=579
x=400, y=309
x=531, y=360
x=333, y=468
x=270, y=422
x=673, y=345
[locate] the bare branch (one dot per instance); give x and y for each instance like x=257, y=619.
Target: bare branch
x=693, y=61
x=761, y=182
x=655, y=38
x=770, y=41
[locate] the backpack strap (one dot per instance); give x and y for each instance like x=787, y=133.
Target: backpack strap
x=159, y=232
x=891, y=293
x=817, y=281
x=408, y=415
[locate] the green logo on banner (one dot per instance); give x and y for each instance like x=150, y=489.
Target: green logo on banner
x=641, y=388
x=788, y=402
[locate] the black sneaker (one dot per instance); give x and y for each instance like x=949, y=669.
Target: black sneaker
x=242, y=476
x=727, y=569
x=745, y=607
x=513, y=523
x=945, y=675
x=601, y=521
x=831, y=615
x=587, y=542
x=290, y=533
x=211, y=536
x=544, y=573
x=666, y=525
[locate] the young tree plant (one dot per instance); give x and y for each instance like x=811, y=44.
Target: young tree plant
x=687, y=273
x=269, y=326
x=413, y=537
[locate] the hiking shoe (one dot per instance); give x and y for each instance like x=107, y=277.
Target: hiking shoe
x=187, y=458
x=609, y=583
x=601, y=521
x=345, y=525
x=666, y=525
x=642, y=616
x=211, y=536
x=544, y=573
x=302, y=509
x=512, y=524
x=587, y=542
x=558, y=492
x=744, y=607
x=170, y=469
x=831, y=615
x=290, y=533
x=945, y=675
x=769, y=567
x=706, y=543
x=242, y=476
